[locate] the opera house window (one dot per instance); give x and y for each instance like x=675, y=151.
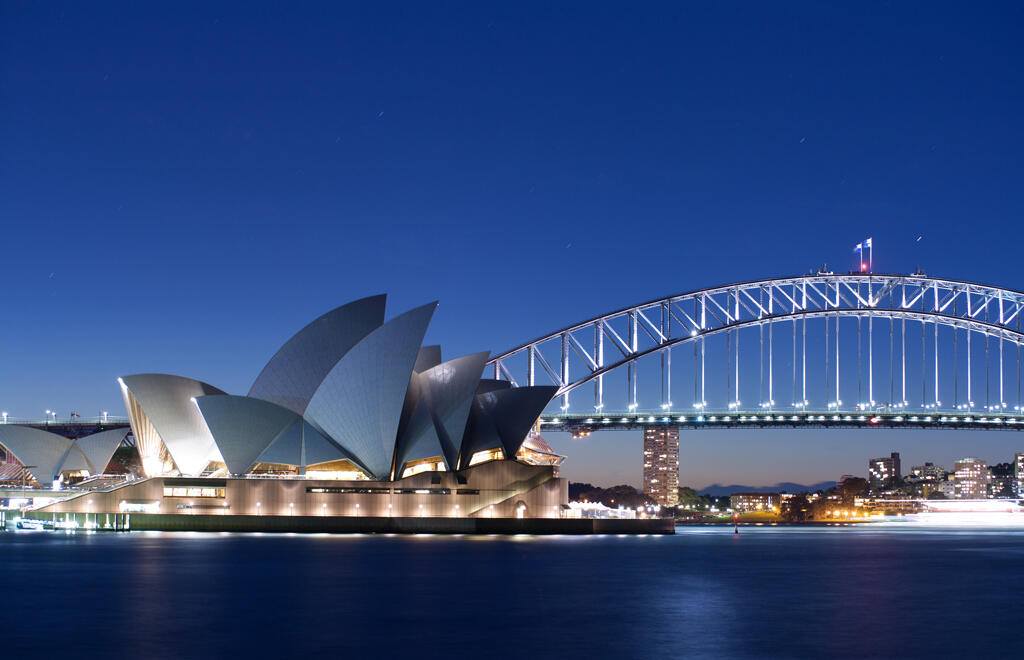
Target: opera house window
x=192, y=491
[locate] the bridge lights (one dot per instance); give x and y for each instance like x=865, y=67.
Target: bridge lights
x=632, y=407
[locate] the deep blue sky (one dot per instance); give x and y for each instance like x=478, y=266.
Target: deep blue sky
x=183, y=186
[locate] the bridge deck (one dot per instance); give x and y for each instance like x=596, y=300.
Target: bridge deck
x=803, y=419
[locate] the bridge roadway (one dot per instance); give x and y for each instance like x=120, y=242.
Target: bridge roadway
x=581, y=424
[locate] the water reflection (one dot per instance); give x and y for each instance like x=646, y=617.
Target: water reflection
x=767, y=592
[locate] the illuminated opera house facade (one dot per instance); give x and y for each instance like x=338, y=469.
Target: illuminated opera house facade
x=351, y=417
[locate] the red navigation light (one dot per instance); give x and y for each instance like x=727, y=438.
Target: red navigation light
x=863, y=266
x=875, y=420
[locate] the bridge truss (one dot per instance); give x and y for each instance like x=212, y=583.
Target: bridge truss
x=822, y=348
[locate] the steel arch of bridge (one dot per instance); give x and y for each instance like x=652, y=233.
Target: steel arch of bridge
x=586, y=352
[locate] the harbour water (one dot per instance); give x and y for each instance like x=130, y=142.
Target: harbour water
x=872, y=591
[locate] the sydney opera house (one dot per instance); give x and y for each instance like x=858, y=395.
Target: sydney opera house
x=352, y=416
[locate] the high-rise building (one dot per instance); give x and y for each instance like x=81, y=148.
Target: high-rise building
x=884, y=472
x=971, y=477
x=661, y=464
x=1018, y=471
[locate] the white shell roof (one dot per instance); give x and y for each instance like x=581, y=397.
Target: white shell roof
x=243, y=427
x=168, y=402
x=445, y=396
x=298, y=368
x=48, y=454
x=41, y=452
x=359, y=403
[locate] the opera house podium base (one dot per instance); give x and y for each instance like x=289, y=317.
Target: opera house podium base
x=497, y=497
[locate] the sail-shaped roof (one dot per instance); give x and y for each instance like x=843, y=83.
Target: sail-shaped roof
x=302, y=445
x=41, y=452
x=169, y=406
x=438, y=421
x=502, y=418
x=243, y=427
x=359, y=403
x=98, y=448
x=298, y=368
x=428, y=357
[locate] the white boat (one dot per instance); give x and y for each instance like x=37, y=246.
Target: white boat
x=28, y=524
x=958, y=513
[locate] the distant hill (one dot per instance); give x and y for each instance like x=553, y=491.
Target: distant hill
x=616, y=496
x=717, y=490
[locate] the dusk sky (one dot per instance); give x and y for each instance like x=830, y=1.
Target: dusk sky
x=185, y=185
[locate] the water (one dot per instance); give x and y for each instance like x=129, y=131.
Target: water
x=770, y=592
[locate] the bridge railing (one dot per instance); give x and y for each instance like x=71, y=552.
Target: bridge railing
x=65, y=421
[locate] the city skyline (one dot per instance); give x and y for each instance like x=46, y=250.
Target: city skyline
x=166, y=180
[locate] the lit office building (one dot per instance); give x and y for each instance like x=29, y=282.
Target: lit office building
x=925, y=480
x=971, y=478
x=661, y=464
x=884, y=472
x=1018, y=472
x=744, y=502
x=929, y=472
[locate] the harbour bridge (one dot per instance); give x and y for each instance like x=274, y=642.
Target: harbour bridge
x=820, y=350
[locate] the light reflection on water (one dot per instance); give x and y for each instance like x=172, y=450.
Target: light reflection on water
x=871, y=591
